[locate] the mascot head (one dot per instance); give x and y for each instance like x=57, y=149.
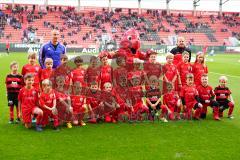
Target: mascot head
x=131, y=40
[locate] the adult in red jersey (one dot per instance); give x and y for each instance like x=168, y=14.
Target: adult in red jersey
x=179, y=49
x=28, y=103
x=207, y=98
x=33, y=68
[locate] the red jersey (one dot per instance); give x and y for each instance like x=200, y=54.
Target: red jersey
x=14, y=82
x=28, y=98
x=205, y=93
x=35, y=70
x=222, y=94
x=198, y=70
x=123, y=92
x=189, y=94
x=120, y=72
x=153, y=94
x=105, y=74
x=77, y=75
x=153, y=69
x=45, y=74
x=93, y=98
x=92, y=75
x=177, y=59
x=170, y=99
x=61, y=95
x=170, y=71
x=183, y=70
x=137, y=73
x=136, y=94
x=77, y=102
x=47, y=99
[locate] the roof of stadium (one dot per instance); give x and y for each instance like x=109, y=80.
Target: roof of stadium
x=203, y=5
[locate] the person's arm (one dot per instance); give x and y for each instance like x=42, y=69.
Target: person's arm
x=41, y=57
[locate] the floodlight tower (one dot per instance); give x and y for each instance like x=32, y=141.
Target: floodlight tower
x=221, y=3
x=109, y=6
x=195, y=4
x=167, y=6
x=79, y=6
x=139, y=7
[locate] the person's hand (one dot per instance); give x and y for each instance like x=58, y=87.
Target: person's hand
x=54, y=111
x=70, y=110
x=200, y=105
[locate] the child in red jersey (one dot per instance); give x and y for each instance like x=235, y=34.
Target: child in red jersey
x=152, y=67
x=93, y=97
x=190, y=99
x=64, y=66
x=184, y=67
x=207, y=98
x=173, y=102
x=28, y=103
x=153, y=99
x=33, y=68
x=14, y=82
x=110, y=102
x=120, y=71
x=123, y=93
x=136, y=97
x=199, y=68
x=47, y=72
x=77, y=75
x=78, y=102
x=64, y=107
x=106, y=71
x=224, y=97
x=93, y=71
x=47, y=101
x=170, y=74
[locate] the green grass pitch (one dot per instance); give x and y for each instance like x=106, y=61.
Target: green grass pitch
x=183, y=140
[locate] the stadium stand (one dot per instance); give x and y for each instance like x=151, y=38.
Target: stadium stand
x=30, y=25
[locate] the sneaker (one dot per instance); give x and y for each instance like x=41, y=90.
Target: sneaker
x=69, y=125
x=82, y=123
x=39, y=128
x=114, y=120
x=10, y=121
x=164, y=119
x=56, y=129
x=93, y=120
x=220, y=114
x=18, y=120
x=34, y=120
x=230, y=117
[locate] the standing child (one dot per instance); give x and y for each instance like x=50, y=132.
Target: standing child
x=190, y=99
x=63, y=102
x=93, y=71
x=184, y=67
x=152, y=67
x=33, y=68
x=106, y=70
x=78, y=103
x=77, y=75
x=14, y=82
x=199, y=68
x=170, y=74
x=224, y=97
x=47, y=101
x=121, y=71
x=47, y=72
x=207, y=98
x=28, y=103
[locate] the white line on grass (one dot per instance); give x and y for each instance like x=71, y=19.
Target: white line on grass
x=225, y=75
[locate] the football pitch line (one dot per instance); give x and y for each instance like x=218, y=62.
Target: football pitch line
x=232, y=76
